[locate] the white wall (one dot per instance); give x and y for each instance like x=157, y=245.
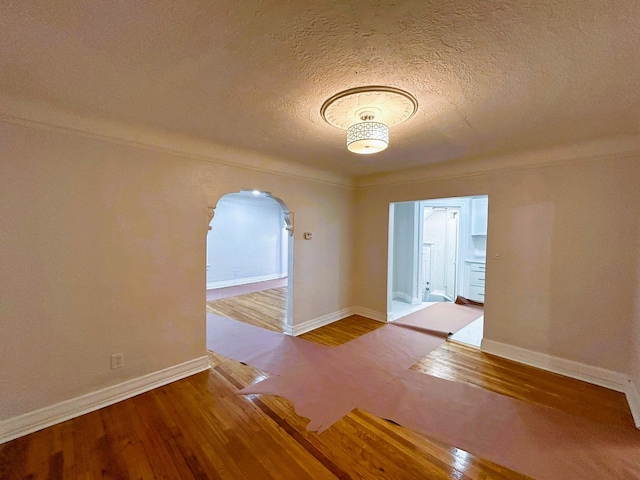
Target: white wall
x=246, y=242
x=102, y=250
x=566, y=235
x=404, y=253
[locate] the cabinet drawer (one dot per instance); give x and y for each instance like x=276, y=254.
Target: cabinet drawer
x=477, y=267
x=476, y=293
x=476, y=278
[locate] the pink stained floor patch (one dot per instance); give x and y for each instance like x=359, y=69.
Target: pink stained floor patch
x=535, y=440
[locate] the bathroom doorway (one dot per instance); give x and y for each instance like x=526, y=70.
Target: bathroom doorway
x=438, y=253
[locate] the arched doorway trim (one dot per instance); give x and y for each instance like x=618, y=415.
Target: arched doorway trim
x=289, y=226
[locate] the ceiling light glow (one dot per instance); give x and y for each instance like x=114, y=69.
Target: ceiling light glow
x=367, y=137
x=366, y=113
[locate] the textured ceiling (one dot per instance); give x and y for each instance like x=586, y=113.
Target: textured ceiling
x=490, y=76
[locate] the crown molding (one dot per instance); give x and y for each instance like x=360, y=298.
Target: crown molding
x=45, y=117
x=613, y=148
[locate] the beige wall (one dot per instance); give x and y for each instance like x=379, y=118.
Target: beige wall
x=566, y=279
x=102, y=250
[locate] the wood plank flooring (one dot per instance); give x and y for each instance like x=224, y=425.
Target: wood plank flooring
x=266, y=308
x=200, y=428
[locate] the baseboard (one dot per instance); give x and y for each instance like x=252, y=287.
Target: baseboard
x=580, y=371
x=372, y=314
x=53, y=414
x=633, y=397
x=405, y=297
x=243, y=281
x=318, y=322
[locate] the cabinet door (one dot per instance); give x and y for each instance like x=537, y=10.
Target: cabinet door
x=479, y=214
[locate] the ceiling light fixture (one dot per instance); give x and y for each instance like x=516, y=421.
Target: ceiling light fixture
x=355, y=110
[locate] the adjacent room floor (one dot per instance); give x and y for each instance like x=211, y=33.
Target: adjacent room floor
x=263, y=304
x=218, y=293
x=471, y=334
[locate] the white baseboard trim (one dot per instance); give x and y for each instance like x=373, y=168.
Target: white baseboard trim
x=633, y=397
x=580, y=371
x=318, y=322
x=243, y=281
x=45, y=417
x=406, y=298
x=372, y=314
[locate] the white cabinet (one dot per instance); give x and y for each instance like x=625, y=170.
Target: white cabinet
x=479, y=214
x=474, y=275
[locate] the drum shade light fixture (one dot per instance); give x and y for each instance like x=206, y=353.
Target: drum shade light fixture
x=366, y=113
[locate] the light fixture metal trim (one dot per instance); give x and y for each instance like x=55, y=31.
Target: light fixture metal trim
x=367, y=137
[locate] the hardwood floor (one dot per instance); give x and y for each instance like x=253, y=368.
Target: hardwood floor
x=200, y=428
x=266, y=308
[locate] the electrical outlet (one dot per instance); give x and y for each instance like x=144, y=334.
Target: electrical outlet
x=117, y=361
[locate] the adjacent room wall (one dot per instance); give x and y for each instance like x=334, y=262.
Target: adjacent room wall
x=562, y=252
x=404, y=253
x=102, y=248
x=245, y=243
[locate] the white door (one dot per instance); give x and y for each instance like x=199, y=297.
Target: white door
x=440, y=252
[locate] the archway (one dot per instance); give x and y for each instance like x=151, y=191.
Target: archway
x=250, y=259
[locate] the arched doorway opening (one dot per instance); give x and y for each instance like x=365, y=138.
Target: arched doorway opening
x=250, y=260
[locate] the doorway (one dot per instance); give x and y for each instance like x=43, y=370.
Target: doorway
x=249, y=260
x=437, y=251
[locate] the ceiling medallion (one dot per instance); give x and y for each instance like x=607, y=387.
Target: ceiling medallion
x=366, y=113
